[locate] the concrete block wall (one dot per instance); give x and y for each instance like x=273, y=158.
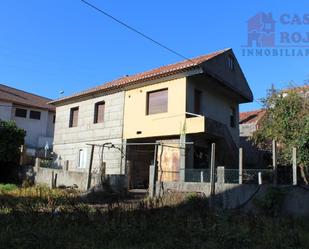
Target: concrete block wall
x=68, y=141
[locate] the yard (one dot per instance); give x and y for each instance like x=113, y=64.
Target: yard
x=38, y=217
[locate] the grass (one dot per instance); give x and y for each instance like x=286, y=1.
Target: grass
x=38, y=217
x=7, y=187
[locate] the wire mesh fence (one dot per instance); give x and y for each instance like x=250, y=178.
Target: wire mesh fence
x=197, y=175
x=252, y=176
x=231, y=176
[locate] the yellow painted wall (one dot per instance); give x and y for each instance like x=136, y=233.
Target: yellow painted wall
x=161, y=124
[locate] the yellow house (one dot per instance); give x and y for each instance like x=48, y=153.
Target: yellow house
x=169, y=116
x=187, y=110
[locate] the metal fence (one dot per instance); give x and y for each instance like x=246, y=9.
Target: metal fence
x=197, y=175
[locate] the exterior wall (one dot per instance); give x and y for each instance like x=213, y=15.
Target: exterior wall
x=35, y=128
x=68, y=141
x=5, y=111
x=218, y=67
x=253, y=156
x=246, y=130
x=213, y=105
x=161, y=124
x=80, y=179
x=50, y=125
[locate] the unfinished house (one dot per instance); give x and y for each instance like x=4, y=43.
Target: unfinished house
x=169, y=115
x=183, y=108
x=86, y=119
x=31, y=113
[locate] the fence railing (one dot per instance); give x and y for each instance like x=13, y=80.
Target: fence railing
x=248, y=176
x=197, y=175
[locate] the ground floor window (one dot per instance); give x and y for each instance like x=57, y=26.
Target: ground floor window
x=82, y=159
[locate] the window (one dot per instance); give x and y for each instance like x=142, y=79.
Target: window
x=22, y=113
x=35, y=115
x=54, y=119
x=232, y=117
x=82, y=160
x=197, y=101
x=74, y=117
x=157, y=101
x=99, y=112
x=231, y=63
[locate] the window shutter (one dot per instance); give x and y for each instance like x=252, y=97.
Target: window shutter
x=99, y=112
x=157, y=101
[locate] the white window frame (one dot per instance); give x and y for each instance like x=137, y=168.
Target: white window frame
x=82, y=159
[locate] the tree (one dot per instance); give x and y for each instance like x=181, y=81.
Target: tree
x=11, y=138
x=286, y=121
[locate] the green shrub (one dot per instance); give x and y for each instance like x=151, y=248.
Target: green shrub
x=11, y=138
x=7, y=187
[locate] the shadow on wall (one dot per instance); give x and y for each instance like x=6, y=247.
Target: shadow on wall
x=254, y=158
x=268, y=199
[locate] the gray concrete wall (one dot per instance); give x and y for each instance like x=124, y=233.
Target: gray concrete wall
x=246, y=130
x=5, y=111
x=230, y=196
x=34, y=128
x=214, y=105
x=69, y=178
x=69, y=141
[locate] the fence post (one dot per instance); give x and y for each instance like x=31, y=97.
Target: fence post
x=152, y=181
x=21, y=156
x=37, y=163
x=240, y=164
x=220, y=186
x=260, y=178
x=220, y=175
x=294, y=167
x=212, y=175
x=182, y=166
x=52, y=180
x=275, y=161
x=90, y=167
x=202, y=176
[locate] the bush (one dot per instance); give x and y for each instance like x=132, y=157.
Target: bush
x=11, y=138
x=7, y=187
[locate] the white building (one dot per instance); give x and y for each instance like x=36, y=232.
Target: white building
x=31, y=113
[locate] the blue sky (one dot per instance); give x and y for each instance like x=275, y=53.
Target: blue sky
x=53, y=45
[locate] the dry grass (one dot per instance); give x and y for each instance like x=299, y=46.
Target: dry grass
x=38, y=217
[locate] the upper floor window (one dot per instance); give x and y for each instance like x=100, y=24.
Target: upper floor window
x=99, y=109
x=231, y=63
x=35, y=115
x=54, y=119
x=157, y=101
x=74, y=117
x=22, y=113
x=232, y=117
x=197, y=101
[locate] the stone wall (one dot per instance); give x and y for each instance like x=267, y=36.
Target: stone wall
x=69, y=141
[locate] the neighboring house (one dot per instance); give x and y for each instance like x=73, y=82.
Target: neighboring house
x=191, y=101
x=248, y=124
x=31, y=113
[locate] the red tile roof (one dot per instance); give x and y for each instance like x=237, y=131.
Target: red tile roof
x=145, y=76
x=16, y=96
x=251, y=116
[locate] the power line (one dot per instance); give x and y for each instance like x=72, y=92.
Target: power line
x=136, y=31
